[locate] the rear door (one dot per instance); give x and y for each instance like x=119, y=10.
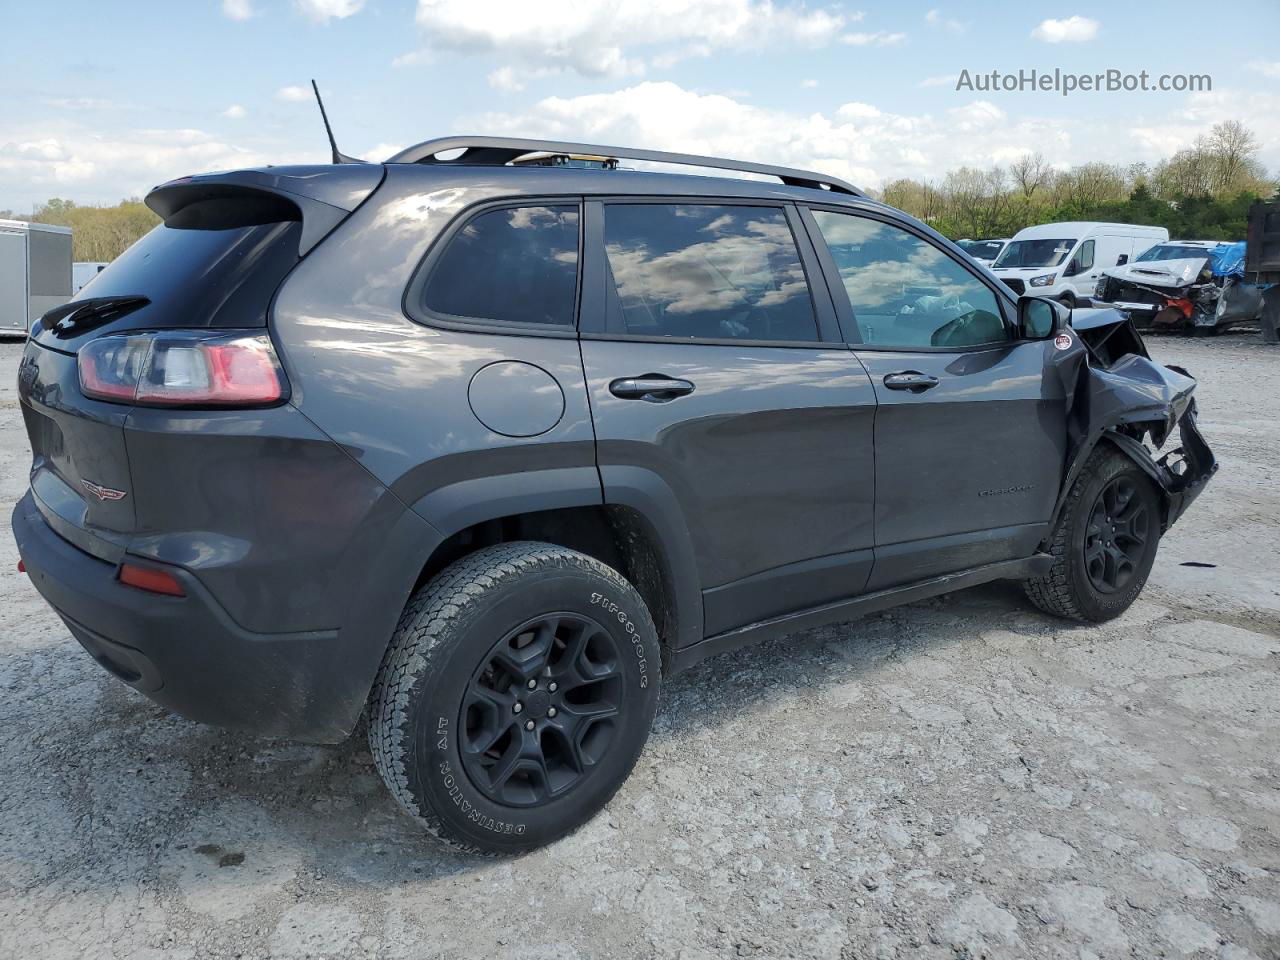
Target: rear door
x=715, y=368
x=969, y=432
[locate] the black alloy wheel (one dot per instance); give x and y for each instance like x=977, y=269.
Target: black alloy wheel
x=1118, y=535
x=542, y=709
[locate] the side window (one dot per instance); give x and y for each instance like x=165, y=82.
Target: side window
x=906, y=292
x=512, y=265
x=1084, y=259
x=710, y=271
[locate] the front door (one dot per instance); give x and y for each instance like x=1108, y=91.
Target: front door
x=970, y=432
x=715, y=368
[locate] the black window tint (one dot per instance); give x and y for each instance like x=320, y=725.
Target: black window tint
x=906, y=292
x=709, y=271
x=514, y=265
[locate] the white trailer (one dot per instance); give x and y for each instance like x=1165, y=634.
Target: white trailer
x=35, y=272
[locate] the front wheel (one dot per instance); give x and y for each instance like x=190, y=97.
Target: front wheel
x=515, y=697
x=1104, y=543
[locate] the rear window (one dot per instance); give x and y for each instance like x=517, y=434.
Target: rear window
x=214, y=264
x=512, y=265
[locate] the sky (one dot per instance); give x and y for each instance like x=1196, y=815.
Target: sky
x=101, y=101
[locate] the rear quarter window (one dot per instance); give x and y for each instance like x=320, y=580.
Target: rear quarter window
x=516, y=265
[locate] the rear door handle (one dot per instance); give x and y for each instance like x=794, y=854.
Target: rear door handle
x=653, y=387
x=912, y=380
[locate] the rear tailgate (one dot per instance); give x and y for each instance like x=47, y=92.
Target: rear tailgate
x=79, y=470
x=226, y=243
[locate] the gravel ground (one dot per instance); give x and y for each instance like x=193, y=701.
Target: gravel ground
x=959, y=778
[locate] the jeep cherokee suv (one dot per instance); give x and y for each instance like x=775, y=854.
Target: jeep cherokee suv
x=482, y=446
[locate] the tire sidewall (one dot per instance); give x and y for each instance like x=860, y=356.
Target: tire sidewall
x=435, y=772
x=1093, y=603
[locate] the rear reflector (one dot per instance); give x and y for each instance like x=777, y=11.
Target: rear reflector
x=149, y=578
x=22, y=567
x=174, y=368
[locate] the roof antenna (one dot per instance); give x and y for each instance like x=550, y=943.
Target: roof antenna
x=338, y=155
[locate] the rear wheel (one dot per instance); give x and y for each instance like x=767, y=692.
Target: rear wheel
x=516, y=696
x=1105, y=541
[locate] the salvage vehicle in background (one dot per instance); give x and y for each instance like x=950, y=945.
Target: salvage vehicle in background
x=1064, y=260
x=1190, y=285
x=483, y=449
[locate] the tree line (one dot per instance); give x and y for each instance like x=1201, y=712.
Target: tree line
x=1202, y=192
x=98, y=233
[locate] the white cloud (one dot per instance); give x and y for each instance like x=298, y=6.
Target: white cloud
x=1074, y=29
x=237, y=9
x=942, y=80
x=322, y=11
x=506, y=79
x=293, y=93
x=857, y=111
x=235, y=112
x=90, y=167
x=1268, y=68
x=381, y=151
x=935, y=18
x=878, y=39
x=617, y=39
x=1173, y=130
x=809, y=84
x=860, y=142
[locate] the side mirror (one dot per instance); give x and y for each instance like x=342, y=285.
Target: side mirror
x=1039, y=318
x=1072, y=269
x=1122, y=260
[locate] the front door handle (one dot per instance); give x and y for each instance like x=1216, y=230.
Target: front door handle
x=912, y=380
x=653, y=387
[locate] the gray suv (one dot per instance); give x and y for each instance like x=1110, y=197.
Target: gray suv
x=484, y=442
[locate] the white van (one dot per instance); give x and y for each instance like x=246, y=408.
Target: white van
x=1064, y=260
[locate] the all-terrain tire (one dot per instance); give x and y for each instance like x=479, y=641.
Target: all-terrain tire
x=1068, y=590
x=422, y=708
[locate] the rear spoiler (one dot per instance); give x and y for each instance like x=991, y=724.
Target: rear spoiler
x=319, y=197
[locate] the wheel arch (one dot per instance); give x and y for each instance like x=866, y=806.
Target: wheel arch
x=1166, y=482
x=638, y=530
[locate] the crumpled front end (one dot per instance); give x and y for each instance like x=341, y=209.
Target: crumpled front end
x=1117, y=394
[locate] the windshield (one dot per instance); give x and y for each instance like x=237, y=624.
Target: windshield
x=981, y=249
x=1172, y=251
x=1035, y=253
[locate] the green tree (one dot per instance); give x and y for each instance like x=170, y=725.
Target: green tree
x=98, y=233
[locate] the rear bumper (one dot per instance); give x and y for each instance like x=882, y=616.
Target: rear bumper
x=186, y=653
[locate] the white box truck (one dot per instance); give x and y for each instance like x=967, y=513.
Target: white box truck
x=1064, y=260
x=35, y=272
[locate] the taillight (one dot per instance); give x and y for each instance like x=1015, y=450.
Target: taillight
x=174, y=368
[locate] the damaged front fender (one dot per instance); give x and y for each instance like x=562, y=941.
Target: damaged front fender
x=1117, y=394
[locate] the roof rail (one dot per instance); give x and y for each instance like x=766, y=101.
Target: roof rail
x=503, y=150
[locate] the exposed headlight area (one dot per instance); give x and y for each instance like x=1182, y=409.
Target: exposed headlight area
x=179, y=368
x=1044, y=280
